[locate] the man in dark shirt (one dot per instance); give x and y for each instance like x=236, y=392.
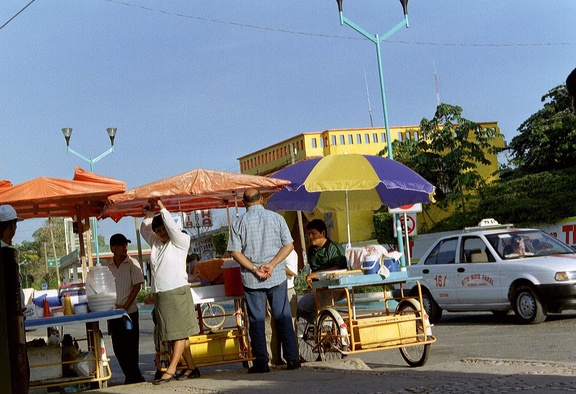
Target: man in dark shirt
x=323, y=255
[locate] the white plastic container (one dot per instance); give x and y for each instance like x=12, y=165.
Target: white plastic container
x=100, y=289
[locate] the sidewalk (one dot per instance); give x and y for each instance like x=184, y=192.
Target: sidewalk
x=351, y=375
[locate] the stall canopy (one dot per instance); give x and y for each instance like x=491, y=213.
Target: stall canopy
x=193, y=190
x=83, y=196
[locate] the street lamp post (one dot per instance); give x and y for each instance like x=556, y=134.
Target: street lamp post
x=376, y=39
x=67, y=132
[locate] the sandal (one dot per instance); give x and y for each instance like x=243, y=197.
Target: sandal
x=162, y=381
x=194, y=373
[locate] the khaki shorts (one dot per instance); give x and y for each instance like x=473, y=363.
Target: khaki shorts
x=176, y=316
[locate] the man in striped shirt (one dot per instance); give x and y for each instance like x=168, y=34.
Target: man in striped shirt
x=129, y=279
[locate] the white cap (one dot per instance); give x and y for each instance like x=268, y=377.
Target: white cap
x=8, y=213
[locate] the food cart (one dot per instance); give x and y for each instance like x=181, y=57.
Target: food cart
x=98, y=374
x=348, y=323
x=229, y=344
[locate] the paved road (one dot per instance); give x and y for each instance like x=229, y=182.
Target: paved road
x=475, y=353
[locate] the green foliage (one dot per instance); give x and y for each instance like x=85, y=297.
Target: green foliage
x=220, y=241
x=530, y=199
x=547, y=139
x=383, y=229
x=448, y=153
x=33, y=254
x=143, y=294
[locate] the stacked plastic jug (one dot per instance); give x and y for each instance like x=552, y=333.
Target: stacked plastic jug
x=100, y=289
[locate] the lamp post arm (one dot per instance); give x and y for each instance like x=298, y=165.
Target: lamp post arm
x=70, y=150
x=103, y=154
x=395, y=28
x=348, y=22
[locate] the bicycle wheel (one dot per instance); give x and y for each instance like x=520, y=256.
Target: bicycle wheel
x=332, y=342
x=305, y=335
x=213, y=316
x=414, y=355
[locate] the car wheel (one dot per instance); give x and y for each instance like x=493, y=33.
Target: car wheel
x=430, y=306
x=528, y=307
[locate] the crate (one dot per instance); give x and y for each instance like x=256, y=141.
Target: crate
x=45, y=362
x=215, y=347
x=384, y=331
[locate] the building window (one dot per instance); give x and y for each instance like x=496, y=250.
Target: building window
x=350, y=139
x=383, y=137
x=322, y=144
x=375, y=138
x=314, y=143
x=416, y=136
x=400, y=137
x=408, y=135
x=334, y=140
x=366, y=138
x=342, y=140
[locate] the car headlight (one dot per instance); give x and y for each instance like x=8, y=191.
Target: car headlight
x=564, y=276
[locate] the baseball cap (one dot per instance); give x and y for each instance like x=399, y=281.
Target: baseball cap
x=119, y=239
x=8, y=213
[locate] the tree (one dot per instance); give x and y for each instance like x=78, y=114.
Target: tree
x=448, y=153
x=33, y=254
x=547, y=139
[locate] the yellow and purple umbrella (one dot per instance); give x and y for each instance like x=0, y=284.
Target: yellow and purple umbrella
x=350, y=182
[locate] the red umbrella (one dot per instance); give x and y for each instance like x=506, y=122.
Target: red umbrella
x=83, y=196
x=192, y=190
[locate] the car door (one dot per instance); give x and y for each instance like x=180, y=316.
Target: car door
x=439, y=271
x=478, y=281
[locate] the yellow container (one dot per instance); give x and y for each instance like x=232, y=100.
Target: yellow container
x=219, y=346
x=384, y=331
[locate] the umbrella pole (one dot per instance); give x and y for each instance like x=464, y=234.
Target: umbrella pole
x=348, y=219
x=54, y=250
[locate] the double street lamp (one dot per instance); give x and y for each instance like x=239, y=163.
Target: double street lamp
x=376, y=39
x=67, y=132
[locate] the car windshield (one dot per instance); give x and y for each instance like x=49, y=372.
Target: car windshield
x=526, y=243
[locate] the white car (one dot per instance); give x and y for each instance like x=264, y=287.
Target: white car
x=476, y=271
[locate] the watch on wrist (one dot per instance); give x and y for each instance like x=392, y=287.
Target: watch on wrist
x=253, y=269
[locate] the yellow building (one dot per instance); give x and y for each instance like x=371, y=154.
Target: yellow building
x=339, y=141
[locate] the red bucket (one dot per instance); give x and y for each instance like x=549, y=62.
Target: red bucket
x=232, y=279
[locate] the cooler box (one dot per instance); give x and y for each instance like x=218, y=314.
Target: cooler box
x=232, y=278
x=392, y=265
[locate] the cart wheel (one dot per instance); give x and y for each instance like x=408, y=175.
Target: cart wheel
x=213, y=316
x=305, y=334
x=331, y=342
x=415, y=355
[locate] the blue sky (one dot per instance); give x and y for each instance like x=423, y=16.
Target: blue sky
x=197, y=84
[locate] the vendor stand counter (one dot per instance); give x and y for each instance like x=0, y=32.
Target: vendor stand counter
x=99, y=372
x=226, y=345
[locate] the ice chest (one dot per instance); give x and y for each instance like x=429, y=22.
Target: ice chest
x=232, y=278
x=384, y=331
x=45, y=362
x=215, y=347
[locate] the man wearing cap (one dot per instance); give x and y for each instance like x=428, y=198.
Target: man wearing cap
x=129, y=279
x=8, y=219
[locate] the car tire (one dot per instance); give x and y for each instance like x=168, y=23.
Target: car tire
x=430, y=306
x=527, y=306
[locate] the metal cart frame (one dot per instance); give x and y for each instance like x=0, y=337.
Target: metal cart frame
x=93, y=338
x=349, y=324
x=226, y=345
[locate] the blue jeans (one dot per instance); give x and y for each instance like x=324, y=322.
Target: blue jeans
x=280, y=307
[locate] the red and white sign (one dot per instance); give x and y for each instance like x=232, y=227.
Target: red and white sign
x=406, y=208
x=411, y=224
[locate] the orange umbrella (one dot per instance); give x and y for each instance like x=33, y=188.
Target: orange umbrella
x=193, y=190
x=83, y=196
